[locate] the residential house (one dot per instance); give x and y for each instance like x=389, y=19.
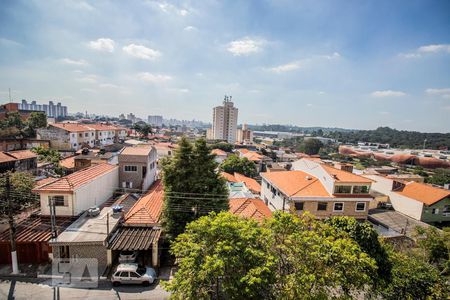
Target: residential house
x=259, y=159
x=19, y=160
x=220, y=155
x=319, y=188
x=137, y=167
x=141, y=228
x=75, y=193
x=165, y=149
x=417, y=200
x=253, y=208
x=68, y=136
x=240, y=185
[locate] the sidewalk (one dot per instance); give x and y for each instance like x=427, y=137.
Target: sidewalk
x=25, y=270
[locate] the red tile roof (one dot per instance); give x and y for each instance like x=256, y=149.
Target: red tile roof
x=253, y=208
x=44, y=181
x=218, y=152
x=251, y=183
x=229, y=177
x=424, y=193
x=253, y=156
x=22, y=154
x=68, y=162
x=6, y=158
x=147, y=210
x=297, y=184
x=72, y=127
x=73, y=181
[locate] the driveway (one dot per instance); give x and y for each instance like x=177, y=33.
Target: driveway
x=42, y=289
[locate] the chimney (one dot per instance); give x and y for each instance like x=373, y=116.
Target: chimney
x=308, y=177
x=398, y=185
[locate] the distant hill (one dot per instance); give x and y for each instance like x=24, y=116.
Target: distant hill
x=395, y=138
x=297, y=129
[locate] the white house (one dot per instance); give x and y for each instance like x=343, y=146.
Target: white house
x=75, y=193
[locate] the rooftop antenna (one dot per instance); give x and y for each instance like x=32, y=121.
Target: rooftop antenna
x=9, y=94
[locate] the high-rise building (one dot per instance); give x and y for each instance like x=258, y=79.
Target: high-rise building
x=50, y=109
x=155, y=120
x=225, y=121
x=244, y=135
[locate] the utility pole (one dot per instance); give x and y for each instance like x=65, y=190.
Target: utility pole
x=12, y=226
x=53, y=217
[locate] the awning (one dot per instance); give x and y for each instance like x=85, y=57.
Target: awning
x=134, y=238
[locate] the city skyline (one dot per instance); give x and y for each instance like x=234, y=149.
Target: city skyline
x=353, y=64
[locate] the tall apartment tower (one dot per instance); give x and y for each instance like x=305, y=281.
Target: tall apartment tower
x=225, y=121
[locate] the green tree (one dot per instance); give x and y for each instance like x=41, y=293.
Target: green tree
x=311, y=146
x=227, y=147
x=314, y=260
x=233, y=163
x=436, y=246
x=440, y=177
x=192, y=186
x=222, y=256
x=143, y=129
x=412, y=278
x=367, y=239
x=37, y=119
x=21, y=185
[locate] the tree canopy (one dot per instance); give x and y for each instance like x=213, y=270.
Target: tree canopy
x=233, y=163
x=192, y=186
x=142, y=128
x=310, y=146
x=21, y=185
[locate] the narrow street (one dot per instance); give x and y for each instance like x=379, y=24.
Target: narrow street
x=42, y=289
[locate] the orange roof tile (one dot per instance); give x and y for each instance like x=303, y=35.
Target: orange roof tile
x=103, y=127
x=243, y=150
x=253, y=208
x=253, y=156
x=72, y=127
x=218, y=152
x=344, y=176
x=137, y=150
x=297, y=184
x=22, y=154
x=44, y=181
x=68, y=162
x=71, y=182
x=229, y=177
x=424, y=193
x=147, y=210
x=6, y=158
x=251, y=183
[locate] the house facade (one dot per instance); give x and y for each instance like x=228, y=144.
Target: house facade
x=417, y=200
x=137, y=167
x=320, y=189
x=75, y=193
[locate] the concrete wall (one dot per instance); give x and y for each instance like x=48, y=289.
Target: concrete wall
x=402, y=204
x=440, y=216
x=349, y=208
x=273, y=200
x=59, y=139
x=96, y=192
x=66, y=210
x=139, y=182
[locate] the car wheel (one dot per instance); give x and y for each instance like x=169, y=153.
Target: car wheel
x=146, y=283
x=116, y=283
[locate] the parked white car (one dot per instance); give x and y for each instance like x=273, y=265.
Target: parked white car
x=133, y=274
x=127, y=257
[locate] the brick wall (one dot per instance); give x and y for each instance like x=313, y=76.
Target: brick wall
x=349, y=209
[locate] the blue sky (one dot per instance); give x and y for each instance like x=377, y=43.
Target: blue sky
x=353, y=64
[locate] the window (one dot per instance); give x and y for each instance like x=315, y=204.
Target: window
x=360, y=206
x=144, y=171
x=56, y=200
x=299, y=205
x=342, y=189
x=435, y=211
x=130, y=168
x=134, y=275
x=322, y=206
x=339, y=206
x=92, y=134
x=80, y=135
x=124, y=274
x=446, y=209
x=86, y=134
x=73, y=135
x=75, y=144
x=127, y=184
x=360, y=189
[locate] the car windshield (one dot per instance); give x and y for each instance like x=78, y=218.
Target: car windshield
x=141, y=270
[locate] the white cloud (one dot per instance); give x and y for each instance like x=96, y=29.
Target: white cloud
x=190, y=28
x=9, y=43
x=80, y=5
x=409, y=55
x=286, y=67
x=154, y=78
x=384, y=113
x=387, y=93
x=102, y=44
x=88, y=90
x=309, y=105
x=88, y=78
x=246, y=46
x=108, y=85
x=80, y=62
x=444, y=93
x=434, y=48
x=321, y=93
x=335, y=55
x=170, y=8
x=141, y=52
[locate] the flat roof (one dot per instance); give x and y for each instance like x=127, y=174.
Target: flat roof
x=89, y=229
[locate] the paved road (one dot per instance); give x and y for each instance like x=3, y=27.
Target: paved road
x=42, y=290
